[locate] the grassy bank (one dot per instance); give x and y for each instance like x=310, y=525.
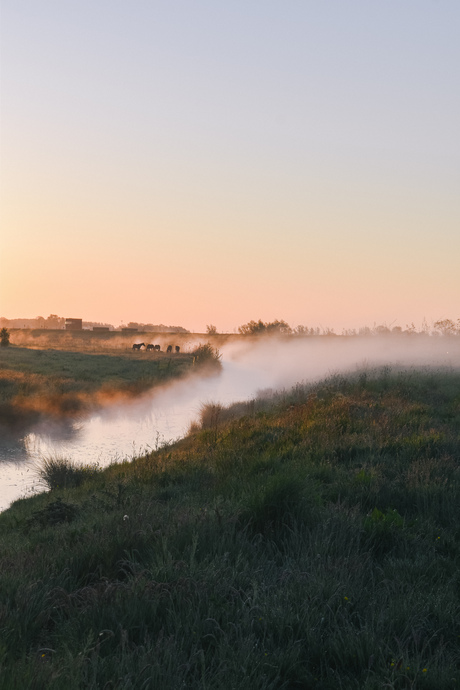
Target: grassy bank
x=309, y=540
x=111, y=342
x=35, y=383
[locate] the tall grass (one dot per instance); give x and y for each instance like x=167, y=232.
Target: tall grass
x=58, y=472
x=310, y=541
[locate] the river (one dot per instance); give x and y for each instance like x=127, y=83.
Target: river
x=126, y=430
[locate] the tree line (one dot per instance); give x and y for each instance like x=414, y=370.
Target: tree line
x=55, y=322
x=281, y=327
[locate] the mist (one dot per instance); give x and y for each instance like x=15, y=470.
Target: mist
x=124, y=429
x=283, y=362
x=251, y=366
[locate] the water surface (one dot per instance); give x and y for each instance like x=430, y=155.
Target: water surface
x=130, y=429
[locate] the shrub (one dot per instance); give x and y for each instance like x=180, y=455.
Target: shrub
x=263, y=328
x=4, y=337
x=57, y=472
x=206, y=354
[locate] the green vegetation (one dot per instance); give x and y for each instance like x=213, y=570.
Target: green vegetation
x=4, y=337
x=444, y=327
x=37, y=383
x=207, y=355
x=307, y=540
x=105, y=342
x=57, y=472
x=265, y=328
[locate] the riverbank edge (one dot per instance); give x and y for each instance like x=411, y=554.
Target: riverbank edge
x=37, y=399
x=311, y=540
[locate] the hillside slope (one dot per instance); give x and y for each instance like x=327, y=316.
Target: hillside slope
x=310, y=540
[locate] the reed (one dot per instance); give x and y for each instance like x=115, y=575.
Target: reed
x=58, y=472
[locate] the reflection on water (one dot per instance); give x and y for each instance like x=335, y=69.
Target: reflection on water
x=126, y=430
x=121, y=431
x=16, y=472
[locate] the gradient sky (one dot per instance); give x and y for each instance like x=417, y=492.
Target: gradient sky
x=190, y=162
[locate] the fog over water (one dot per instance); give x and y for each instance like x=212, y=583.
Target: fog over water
x=249, y=366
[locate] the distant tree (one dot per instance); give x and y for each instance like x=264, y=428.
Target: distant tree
x=252, y=328
x=4, y=337
x=278, y=327
x=55, y=321
x=445, y=327
x=425, y=328
x=261, y=328
x=301, y=330
x=304, y=330
x=211, y=329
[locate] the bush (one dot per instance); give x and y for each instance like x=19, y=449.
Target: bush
x=57, y=472
x=4, y=337
x=206, y=354
x=265, y=328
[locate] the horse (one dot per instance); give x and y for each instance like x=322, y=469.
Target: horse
x=150, y=347
x=169, y=348
x=137, y=346
x=177, y=349
x=157, y=348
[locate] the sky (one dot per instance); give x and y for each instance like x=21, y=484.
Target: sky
x=195, y=162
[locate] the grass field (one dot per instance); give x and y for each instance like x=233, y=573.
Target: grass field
x=109, y=342
x=307, y=540
x=60, y=382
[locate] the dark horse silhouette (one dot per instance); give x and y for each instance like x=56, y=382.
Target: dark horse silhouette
x=177, y=348
x=157, y=348
x=169, y=348
x=137, y=346
x=150, y=347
